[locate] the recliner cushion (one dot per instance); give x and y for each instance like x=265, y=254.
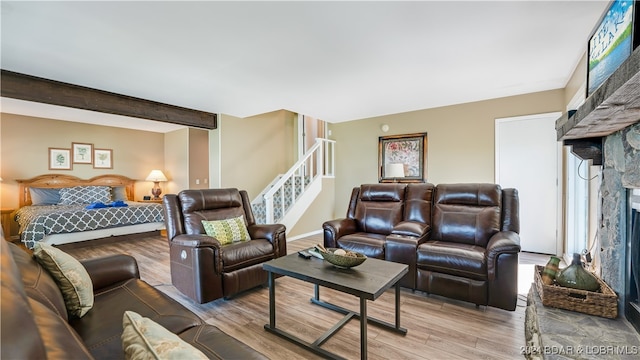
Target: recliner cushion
x=59, y=339
x=242, y=254
x=466, y=213
x=453, y=258
x=371, y=245
x=379, y=207
x=38, y=283
x=198, y=205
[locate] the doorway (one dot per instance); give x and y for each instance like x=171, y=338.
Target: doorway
x=528, y=159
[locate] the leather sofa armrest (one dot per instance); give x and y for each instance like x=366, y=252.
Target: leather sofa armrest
x=503, y=242
x=109, y=270
x=196, y=240
x=411, y=228
x=335, y=229
x=275, y=233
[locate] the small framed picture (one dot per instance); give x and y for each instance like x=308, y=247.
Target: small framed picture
x=59, y=159
x=103, y=158
x=82, y=153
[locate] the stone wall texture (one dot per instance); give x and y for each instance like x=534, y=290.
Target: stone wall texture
x=621, y=170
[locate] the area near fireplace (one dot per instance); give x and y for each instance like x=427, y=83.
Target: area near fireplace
x=606, y=130
x=620, y=175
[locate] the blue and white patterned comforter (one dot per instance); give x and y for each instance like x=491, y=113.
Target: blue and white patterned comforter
x=36, y=222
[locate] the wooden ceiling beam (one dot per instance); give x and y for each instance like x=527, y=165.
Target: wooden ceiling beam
x=30, y=88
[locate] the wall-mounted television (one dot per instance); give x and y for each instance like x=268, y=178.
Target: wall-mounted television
x=612, y=41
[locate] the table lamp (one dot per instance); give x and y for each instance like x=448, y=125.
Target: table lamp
x=395, y=171
x=156, y=176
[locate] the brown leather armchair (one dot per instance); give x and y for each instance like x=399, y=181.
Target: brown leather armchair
x=201, y=267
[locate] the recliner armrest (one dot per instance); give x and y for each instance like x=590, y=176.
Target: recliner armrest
x=270, y=232
x=109, y=270
x=335, y=229
x=503, y=242
x=274, y=233
x=411, y=228
x=196, y=240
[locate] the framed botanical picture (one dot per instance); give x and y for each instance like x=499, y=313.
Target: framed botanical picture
x=103, y=159
x=59, y=159
x=82, y=153
x=402, y=158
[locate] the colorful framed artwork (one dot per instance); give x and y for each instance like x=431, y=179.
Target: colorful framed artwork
x=402, y=158
x=59, y=159
x=103, y=159
x=82, y=153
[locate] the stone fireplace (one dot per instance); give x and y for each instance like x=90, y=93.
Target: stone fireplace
x=620, y=174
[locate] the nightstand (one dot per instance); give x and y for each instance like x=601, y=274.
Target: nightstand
x=151, y=201
x=6, y=222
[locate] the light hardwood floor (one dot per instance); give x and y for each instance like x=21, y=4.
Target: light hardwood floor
x=438, y=328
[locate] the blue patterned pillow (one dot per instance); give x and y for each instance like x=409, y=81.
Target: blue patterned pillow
x=84, y=195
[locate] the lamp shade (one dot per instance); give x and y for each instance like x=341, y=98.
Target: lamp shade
x=156, y=175
x=394, y=170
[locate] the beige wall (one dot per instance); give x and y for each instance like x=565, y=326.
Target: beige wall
x=176, y=166
x=460, y=140
x=320, y=211
x=254, y=150
x=24, y=143
x=577, y=81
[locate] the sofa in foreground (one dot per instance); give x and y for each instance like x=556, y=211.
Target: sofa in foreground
x=37, y=322
x=460, y=240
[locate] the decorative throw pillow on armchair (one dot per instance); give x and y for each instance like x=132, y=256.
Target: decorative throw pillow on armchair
x=227, y=231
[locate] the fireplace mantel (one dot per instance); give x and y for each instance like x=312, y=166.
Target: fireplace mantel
x=612, y=107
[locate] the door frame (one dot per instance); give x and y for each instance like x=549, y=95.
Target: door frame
x=559, y=170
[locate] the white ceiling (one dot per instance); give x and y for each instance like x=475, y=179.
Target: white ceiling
x=337, y=61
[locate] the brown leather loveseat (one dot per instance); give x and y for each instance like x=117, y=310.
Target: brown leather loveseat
x=459, y=240
x=35, y=324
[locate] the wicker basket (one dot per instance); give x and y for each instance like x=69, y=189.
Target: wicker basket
x=343, y=262
x=603, y=303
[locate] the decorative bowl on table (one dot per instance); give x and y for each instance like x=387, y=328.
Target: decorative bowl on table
x=348, y=260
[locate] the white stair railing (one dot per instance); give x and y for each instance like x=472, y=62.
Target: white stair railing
x=318, y=161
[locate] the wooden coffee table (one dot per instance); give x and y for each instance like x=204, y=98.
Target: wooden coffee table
x=367, y=282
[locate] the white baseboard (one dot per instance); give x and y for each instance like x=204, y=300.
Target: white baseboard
x=304, y=235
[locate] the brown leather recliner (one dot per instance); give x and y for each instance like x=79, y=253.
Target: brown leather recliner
x=385, y=221
x=201, y=267
x=472, y=253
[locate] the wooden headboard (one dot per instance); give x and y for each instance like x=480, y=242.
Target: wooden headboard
x=55, y=181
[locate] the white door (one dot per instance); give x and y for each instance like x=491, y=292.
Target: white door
x=527, y=158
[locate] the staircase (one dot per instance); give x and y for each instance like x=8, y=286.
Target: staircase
x=286, y=198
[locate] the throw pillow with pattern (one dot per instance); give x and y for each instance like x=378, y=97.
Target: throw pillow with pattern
x=78, y=195
x=227, y=231
x=71, y=277
x=142, y=338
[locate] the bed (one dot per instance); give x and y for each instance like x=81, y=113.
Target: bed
x=61, y=209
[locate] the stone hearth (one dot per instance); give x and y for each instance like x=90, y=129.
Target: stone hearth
x=560, y=334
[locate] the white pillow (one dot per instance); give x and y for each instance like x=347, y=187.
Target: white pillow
x=142, y=338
